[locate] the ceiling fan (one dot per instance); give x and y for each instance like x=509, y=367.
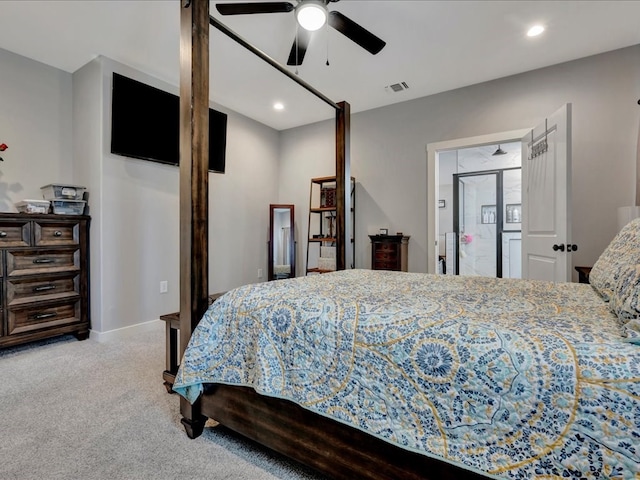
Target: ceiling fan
x=311, y=16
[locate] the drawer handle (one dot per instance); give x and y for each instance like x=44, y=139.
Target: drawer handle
x=57, y=233
x=44, y=288
x=43, y=260
x=3, y=234
x=42, y=316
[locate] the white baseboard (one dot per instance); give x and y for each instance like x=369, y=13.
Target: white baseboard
x=124, y=332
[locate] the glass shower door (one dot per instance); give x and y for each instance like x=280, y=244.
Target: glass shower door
x=478, y=215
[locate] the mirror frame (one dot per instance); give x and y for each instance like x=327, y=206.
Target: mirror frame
x=292, y=243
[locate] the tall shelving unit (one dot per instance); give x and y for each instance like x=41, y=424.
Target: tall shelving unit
x=321, y=239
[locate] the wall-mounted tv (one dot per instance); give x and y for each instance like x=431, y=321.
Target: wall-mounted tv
x=145, y=123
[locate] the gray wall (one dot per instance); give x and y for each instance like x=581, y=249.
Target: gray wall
x=388, y=149
x=36, y=124
x=137, y=222
x=57, y=126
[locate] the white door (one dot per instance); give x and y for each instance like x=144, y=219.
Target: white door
x=546, y=193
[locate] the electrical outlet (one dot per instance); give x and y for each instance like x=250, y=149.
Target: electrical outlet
x=164, y=286
x=259, y=273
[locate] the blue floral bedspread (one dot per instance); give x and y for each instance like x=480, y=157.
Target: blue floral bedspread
x=510, y=378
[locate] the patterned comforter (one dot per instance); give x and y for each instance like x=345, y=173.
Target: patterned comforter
x=510, y=378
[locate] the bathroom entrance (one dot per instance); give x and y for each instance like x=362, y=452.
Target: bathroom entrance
x=487, y=215
x=481, y=210
x=544, y=154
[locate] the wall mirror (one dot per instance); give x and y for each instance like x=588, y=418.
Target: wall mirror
x=282, y=248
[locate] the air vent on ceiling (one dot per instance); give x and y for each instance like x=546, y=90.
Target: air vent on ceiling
x=396, y=87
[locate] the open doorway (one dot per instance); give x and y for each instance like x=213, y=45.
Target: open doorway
x=546, y=191
x=469, y=156
x=479, y=234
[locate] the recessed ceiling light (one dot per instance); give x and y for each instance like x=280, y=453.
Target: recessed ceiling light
x=535, y=31
x=278, y=106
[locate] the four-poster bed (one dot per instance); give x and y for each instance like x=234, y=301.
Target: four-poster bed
x=331, y=445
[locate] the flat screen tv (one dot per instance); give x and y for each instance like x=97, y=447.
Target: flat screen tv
x=145, y=123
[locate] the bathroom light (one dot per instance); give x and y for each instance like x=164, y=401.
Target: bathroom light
x=499, y=151
x=311, y=14
x=535, y=31
x=278, y=106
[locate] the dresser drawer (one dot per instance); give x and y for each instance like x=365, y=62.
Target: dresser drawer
x=42, y=261
x=393, y=265
x=386, y=255
x=52, y=233
x=15, y=233
x=31, y=289
x=43, y=316
x=386, y=247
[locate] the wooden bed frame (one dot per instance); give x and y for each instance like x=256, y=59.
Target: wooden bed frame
x=328, y=446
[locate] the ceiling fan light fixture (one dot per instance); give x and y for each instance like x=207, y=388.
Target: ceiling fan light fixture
x=312, y=14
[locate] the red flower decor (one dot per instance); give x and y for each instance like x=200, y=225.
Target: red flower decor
x=3, y=147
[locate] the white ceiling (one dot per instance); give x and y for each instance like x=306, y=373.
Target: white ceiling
x=433, y=46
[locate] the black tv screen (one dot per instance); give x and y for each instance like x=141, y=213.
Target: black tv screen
x=145, y=123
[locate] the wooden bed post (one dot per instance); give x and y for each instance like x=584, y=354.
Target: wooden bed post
x=194, y=182
x=344, y=233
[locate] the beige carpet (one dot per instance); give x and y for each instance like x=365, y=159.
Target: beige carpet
x=87, y=410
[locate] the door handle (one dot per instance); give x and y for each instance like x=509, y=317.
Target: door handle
x=558, y=247
x=572, y=247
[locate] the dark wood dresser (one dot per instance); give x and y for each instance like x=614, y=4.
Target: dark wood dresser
x=389, y=252
x=44, y=277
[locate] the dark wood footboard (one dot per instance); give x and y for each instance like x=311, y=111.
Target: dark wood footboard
x=332, y=448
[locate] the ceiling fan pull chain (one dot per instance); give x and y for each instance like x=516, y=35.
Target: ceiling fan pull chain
x=297, y=63
x=326, y=32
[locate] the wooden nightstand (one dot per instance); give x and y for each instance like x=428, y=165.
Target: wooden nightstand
x=389, y=252
x=172, y=321
x=583, y=274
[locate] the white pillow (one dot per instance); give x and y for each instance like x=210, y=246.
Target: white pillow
x=622, y=252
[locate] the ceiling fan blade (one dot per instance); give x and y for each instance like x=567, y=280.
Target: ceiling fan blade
x=297, y=54
x=355, y=32
x=246, y=8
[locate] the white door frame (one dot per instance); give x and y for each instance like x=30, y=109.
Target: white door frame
x=433, y=149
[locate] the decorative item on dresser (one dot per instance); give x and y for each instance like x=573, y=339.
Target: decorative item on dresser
x=44, y=277
x=3, y=147
x=389, y=252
